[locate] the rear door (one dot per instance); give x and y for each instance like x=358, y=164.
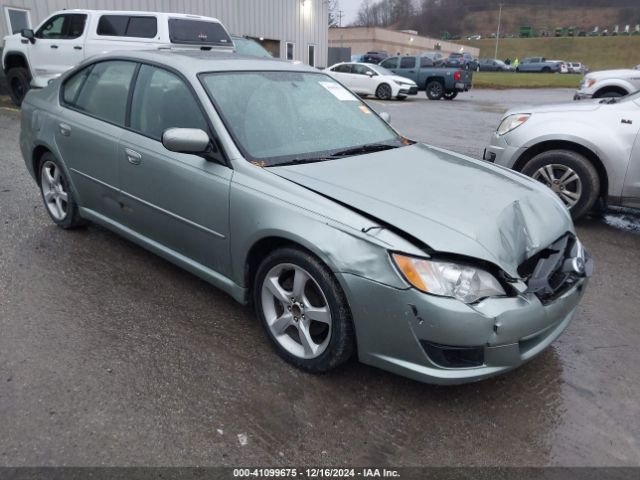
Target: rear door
x=179, y=200
x=342, y=73
x=59, y=45
x=88, y=132
x=407, y=68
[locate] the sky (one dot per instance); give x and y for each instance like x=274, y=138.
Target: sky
x=350, y=9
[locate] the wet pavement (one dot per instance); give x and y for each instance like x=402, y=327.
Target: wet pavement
x=110, y=355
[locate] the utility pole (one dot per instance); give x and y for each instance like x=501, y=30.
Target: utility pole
x=498, y=34
x=340, y=15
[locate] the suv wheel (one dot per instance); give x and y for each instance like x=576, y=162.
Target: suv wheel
x=303, y=310
x=19, y=81
x=434, y=90
x=570, y=175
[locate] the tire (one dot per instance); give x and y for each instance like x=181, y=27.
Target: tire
x=609, y=94
x=331, y=342
x=518, y=69
x=546, y=70
x=56, y=194
x=553, y=164
x=434, y=90
x=401, y=97
x=450, y=95
x=383, y=92
x=19, y=83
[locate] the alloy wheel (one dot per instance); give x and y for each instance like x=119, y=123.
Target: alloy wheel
x=296, y=311
x=563, y=180
x=54, y=191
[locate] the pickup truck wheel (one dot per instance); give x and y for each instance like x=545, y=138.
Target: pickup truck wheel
x=450, y=95
x=570, y=175
x=546, y=70
x=19, y=81
x=434, y=90
x=609, y=93
x=383, y=92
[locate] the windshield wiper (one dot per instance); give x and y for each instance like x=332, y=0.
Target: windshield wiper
x=369, y=148
x=300, y=161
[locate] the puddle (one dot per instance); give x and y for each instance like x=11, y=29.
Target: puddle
x=623, y=219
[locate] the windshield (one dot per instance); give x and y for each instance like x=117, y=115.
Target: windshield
x=246, y=46
x=292, y=117
x=381, y=70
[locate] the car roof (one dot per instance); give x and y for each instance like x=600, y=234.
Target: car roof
x=138, y=12
x=193, y=62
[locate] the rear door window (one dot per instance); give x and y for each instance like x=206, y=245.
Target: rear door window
x=128, y=26
x=408, y=62
x=426, y=62
x=345, y=68
x=105, y=91
x=197, y=32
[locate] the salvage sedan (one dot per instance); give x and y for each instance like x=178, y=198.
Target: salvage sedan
x=278, y=185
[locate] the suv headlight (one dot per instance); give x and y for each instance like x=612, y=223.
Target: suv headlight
x=463, y=282
x=512, y=122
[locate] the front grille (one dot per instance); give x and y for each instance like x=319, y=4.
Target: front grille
x=548, y=274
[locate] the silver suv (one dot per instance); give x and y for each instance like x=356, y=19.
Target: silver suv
x=585, y=151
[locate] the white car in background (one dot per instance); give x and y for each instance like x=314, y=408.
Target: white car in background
x=609, y=83
x=369, y=79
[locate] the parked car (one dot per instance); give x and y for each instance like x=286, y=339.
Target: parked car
x=32, y=58
x=369, y=79
x=493, y=65
x=608, y=83
x=437, y=82
x=357, y=58
x=273, y=182
x=248, y=46
x=563, y=67
x=538, y=64
x=462, y=60
x=577, y=67
x=436, y=57
x=375, y=57
x=584, y=152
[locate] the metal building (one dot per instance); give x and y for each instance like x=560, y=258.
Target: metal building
x=293, y=29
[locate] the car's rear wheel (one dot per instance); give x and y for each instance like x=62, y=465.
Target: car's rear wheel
x=570, y=175
x=434, y=90
x=56, y=194
x=19, y=82
x=546, y=70
x=303, y=310
x=383, y=92
x=450, y=95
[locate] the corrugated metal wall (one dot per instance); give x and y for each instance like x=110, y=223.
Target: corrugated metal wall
x=297, y=21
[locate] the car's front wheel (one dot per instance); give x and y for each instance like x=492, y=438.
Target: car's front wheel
x=383, y=92
x=570, y=175
x=56, y=194
x=303, y=310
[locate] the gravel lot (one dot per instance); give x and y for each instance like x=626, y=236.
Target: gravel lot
x=110, y=355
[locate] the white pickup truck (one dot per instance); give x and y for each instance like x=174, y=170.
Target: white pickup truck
x=32, y=58
x=608, y=83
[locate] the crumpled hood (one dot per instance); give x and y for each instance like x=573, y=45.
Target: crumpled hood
x=453, y=204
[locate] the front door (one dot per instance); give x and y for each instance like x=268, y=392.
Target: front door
x=631, y=189
x=178, y=200
x=408, y=68
x=59, y=45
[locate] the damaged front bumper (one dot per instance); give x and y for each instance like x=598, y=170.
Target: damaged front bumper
x=444, y=341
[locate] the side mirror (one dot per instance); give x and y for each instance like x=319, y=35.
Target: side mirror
x=370, y=73
x=186, y=140
x=385, y=116
x=28, y=34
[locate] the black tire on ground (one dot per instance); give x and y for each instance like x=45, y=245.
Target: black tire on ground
x=401, y=97
x=19, y=83
x=585, y=170
x=434, y=90
x=72, y=218
x=518, y=69
x=546, y=70
x=383, y=92
x=342, y=341
x=450, y=95
x=609, y=93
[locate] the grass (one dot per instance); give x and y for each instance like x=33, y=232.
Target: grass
x=599, y=53
x=503, y=80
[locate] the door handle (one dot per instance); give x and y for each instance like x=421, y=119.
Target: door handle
x=134, y=157
x=77, y=47
x=54, y=46
x=64, y=129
